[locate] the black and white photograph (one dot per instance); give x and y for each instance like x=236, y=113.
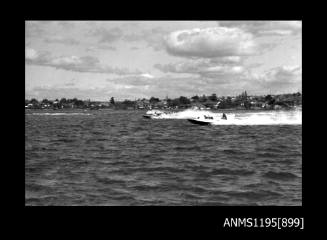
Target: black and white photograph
x=163, y=113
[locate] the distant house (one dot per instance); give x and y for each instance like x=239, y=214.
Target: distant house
x=217, y=104
x=143, y=104
x=165, y=103
x=30, y=105
x=197, y=105
x=106, y=104
x=68, y=105
x=44, y=105
x=159, y=104
x=277, y=107
x=102, y=104
x=256, y=104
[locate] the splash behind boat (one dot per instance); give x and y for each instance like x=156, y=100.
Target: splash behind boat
x=153, y=114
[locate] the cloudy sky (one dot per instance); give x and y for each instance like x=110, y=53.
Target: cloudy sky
x=140, y=59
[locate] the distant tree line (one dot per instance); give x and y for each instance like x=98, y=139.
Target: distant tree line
x=212, y=101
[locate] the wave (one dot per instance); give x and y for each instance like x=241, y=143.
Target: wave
x=254, y=195
x=280, y=175
x=240, y=118
x=59, y=114
x=226, y=171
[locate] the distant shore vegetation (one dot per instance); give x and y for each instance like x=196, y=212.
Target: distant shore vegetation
x=241, y=101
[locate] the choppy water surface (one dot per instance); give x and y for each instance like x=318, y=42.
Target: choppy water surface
x=121, y=158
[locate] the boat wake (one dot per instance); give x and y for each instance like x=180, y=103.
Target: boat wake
x=238, y=118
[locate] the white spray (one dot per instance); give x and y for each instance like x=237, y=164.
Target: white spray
x=240, y=118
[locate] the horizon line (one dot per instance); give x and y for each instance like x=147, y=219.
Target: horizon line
x=134, y=99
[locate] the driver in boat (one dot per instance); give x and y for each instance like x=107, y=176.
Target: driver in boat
x=208, y=117
x=224, y=116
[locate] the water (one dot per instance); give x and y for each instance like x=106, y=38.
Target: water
x=120, y=158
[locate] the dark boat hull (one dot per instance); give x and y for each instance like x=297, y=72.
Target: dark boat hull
x=146, y=116
x=198, y=122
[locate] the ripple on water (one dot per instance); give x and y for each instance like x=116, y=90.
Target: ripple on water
x=279, y=175
x=119, y=158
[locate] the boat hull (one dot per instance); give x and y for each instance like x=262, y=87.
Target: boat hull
x=194, y=121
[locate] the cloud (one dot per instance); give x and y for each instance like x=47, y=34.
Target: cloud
x=153, y=37
x=147, y=75
x=73, y=63
x=107, y=35
x=105, y=47
x=53, y=92
x=283, y=75
x=61, y=40
x=39, y=29
x=100, y=47
x=159, y=86
x=133, y=37
x=134, y=80
x=231, y=80
x=282, y=79
x=66, y=24
x=70, y=84
x=210, y=68
x=33, y=29
x=210, y=43
x=263, y=28
x=34, y=57
x=31, y=54
x=91, y=49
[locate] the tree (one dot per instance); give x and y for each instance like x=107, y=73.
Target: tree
x=112, y=100
x=203, y=98
x=213, y=97
x=269, y=99
x=175, y=102
x=34, y=101
x=169, y=102
x=63, y=101
x=129, y=103
x=79, y=103
x=154, y=100
x=195, y=98
x=247, y=105
x=184, y=100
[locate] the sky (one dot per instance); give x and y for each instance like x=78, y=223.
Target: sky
x=98, y=60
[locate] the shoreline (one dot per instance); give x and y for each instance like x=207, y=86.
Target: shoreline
x=157, y=109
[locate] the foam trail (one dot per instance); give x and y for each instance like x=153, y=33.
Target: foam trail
x=241, y=118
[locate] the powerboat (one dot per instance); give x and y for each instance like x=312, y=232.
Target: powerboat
x=153, y=114
x=199, y=122
x=205, y=120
